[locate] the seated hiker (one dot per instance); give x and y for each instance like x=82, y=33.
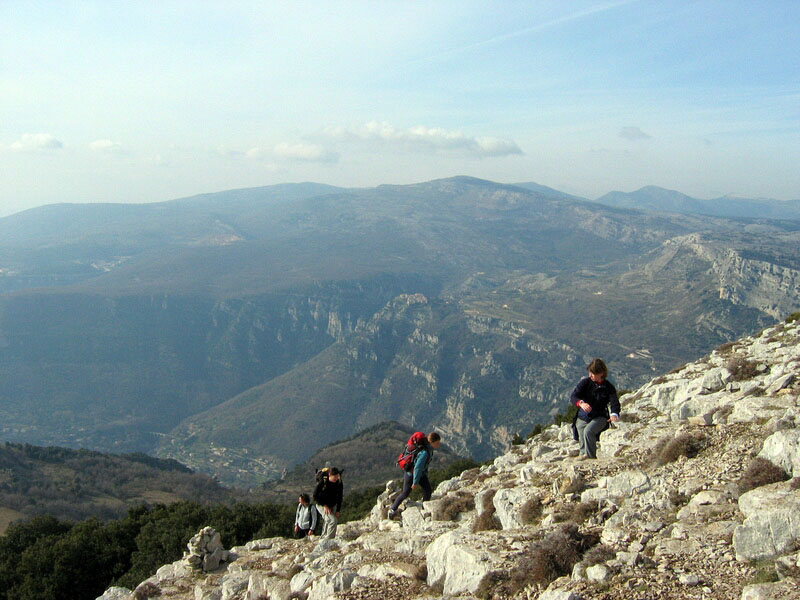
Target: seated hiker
x=305, y=520
x=328, y=498
x=416, y=473
x=593, y=396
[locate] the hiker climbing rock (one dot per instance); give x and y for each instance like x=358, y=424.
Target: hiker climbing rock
x=415, y=461
x=594, y=396
x=328, y=498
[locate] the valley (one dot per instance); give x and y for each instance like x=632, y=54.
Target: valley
x=240, y=332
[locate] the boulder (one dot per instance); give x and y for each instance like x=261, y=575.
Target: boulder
x=782, y=448
x=782, y=590
x=326, y=586
x=772, y=523
x=508, y=504
x=459, y=562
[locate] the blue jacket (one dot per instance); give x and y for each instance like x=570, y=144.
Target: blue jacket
x=601, y=397
x=421, y=462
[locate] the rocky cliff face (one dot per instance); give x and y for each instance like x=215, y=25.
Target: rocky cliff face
x=694, y=495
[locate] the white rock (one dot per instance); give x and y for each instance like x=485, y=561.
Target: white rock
x=301, y=581
x=326, y=586
x=459, y=562
x=508, y=503
x=597, y=572
x=116, y=593
x=233, y=584
x=772, y=522
x=394, y=569
x=782, y=590
x=782, y=448
x=558, y=595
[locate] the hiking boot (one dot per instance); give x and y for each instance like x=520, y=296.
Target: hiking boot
x=392, y=514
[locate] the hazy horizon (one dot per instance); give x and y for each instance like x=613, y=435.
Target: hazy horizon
x=142, y=102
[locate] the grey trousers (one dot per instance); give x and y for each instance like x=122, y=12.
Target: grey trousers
x=587, y=435
x=329, y=524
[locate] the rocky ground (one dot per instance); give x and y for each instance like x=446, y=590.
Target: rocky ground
x=692, y=496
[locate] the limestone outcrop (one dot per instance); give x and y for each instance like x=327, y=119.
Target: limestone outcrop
x=676, y=506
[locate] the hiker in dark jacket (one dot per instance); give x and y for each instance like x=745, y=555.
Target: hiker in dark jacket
x=418, y=474
x=305, y=519
x=594, y=396
x=328, y=498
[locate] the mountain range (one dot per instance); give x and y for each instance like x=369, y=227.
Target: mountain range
x=241, y=331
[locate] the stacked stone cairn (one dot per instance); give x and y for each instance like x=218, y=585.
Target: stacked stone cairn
x=205, y=550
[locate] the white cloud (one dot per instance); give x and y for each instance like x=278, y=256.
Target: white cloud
x=426, y=139
x=36, y=141
x=298, y=152
x=633, y=133
x=105, y=146
x=304, y=152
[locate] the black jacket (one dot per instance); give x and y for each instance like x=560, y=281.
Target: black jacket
x=601, y=397
x=329, y=494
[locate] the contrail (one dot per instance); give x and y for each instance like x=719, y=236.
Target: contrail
x=538, y=27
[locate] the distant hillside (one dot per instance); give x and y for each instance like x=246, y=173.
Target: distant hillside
x=652, y=198
x=547, y=191
x=367, y=459
x=239, y=332
x=77, y=484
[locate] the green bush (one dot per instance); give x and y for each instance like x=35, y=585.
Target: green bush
x=567, y=416
x=46, y=559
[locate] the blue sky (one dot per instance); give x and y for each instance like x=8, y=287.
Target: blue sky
x=144, y=101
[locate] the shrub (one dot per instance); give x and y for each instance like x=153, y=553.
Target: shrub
x=486, y=521
x=537, y=429
x=146, y=590
x=668, y=449
x=761, y=472
x=470, y=475
x=531, y=511
x=793, y=317
x=725, y=348
x=549, y=559
x=764, y=572
x=541, y=563
x=577, y=513
x=721, y=413
x=598, y=554
x=741, y=369
x=453, y=505
x=567, y=416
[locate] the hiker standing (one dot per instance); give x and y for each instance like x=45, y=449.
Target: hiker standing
x=328, y=498
x=416, y=473
x=593, y=396
x=305, y=520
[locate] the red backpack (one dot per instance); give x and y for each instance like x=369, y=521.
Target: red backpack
x=416, y=442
